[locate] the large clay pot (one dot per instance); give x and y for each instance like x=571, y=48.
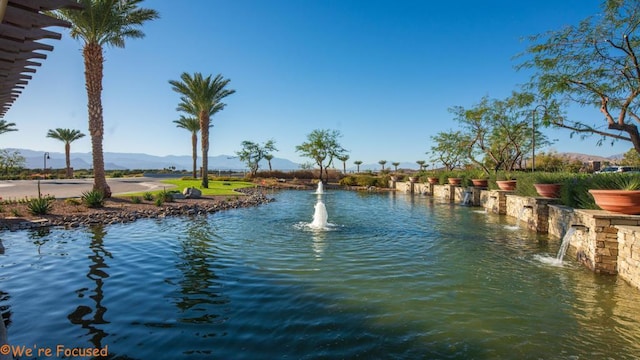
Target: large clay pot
x=455, y=181
x=482, y=183
x=508, y=185
x=620, y=201
x=433, y=180
x=548, y=190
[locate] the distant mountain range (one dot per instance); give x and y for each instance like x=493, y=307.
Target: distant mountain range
x=123, y=161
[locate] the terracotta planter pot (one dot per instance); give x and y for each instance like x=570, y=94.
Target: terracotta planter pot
x=548, y=190
x=413, y=179
x=508, y=185
x=483, y=183
x=433, y=180
x=620, y=201
x=455, y=181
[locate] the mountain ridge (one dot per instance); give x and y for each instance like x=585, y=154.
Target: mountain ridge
x=124, y=161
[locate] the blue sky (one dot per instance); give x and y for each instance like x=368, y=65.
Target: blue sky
x=383, y=73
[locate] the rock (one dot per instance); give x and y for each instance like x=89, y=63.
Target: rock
x=192, y=193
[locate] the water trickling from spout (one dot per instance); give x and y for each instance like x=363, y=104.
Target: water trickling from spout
x=566, y=240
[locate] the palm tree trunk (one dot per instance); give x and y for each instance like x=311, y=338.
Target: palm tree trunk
x=204, y=130
x=67, y=157
x=194, y=153
x=93, y=64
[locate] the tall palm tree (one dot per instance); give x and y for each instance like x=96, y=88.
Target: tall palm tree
x=269, y=157
x=6, y=127
x=358, y=163
x=67, y=136
x=382, y=162
x=395, y=166
x=344, y=159
x=191, y=124
x=202, y=97
x=100, y=23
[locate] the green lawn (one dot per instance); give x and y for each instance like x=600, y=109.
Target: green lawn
x=216, y=187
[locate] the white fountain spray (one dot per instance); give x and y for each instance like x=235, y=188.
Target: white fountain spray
x=320, y=216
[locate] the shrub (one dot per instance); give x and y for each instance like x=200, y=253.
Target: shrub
x=15, y=212
x=39, y=206
x=165, y=196
x=159, y=201
x=136, y=200
x=93, y=199
x=73, y=201
x=147, y=196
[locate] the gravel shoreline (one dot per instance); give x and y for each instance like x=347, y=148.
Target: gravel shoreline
x=118, y=211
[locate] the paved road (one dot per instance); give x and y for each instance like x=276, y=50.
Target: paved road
x=64, y=188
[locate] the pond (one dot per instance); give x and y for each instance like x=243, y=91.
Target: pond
x=393, y=276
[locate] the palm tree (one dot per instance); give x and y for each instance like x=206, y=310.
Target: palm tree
x=344, y=159
x=202, y=97
x=395, y=166
x=358, y=163
x=191, y=124
x=6, y=127
x=100, y=23
x=67, y=136
x=382, y=162
x=421, y=164
x=268, y=157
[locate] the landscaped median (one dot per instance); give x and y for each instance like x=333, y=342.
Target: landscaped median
x=221, y=195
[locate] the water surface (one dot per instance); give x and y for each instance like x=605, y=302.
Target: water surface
x=393, y=276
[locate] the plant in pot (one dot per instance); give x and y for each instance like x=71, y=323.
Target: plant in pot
x=618, y=193
x=506, y=182
x=433, y=178
x=547, y=185
x=480, y=178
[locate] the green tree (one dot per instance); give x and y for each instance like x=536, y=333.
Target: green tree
x=6, y=126
x=202, y=97
x=100, y=23
x=344, y=158
x=447, y=149
x=357, y=163
x=592, y=64
x=395, y=166
x=497, y=134
x=67, y=136
x=11, y=161
x=321, y=146
x=631, y=158
x=421, y=164
x=252, y=153
x=191, y=124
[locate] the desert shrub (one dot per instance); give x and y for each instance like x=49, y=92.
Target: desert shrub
x=93, y=199
x=148, y=196
x=159, y=201
x=136, y=199
x=39, y=206
x=73, y=201
x=165, y=195
x=15, y=212
x=350, y=180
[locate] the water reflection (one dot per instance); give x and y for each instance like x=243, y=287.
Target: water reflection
x=89, y=316
x=200, y=296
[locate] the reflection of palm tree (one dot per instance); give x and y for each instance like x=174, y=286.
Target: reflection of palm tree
x=97, y=275
x=201, y=291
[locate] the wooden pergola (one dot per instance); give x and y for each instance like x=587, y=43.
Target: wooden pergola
x=23, y=24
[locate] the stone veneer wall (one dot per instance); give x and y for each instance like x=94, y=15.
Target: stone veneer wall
x=629, y=254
